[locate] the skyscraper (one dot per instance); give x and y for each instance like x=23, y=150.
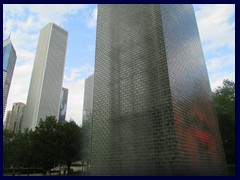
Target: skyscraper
x=87, y=120
x=14, y=117
x=47, y=76
x=152, y=109
x=7, y=123
x=63, y=105
x=88, y=98
x=9, y=60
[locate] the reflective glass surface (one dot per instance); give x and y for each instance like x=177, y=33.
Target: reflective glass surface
x=148, y=59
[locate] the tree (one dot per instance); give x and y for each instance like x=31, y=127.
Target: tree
x=46, y=143
x=50, y=144
x=86, y=137
x=72, y=142
x=22, y=149
x=17, y=149
x=8, y=149
x=224, y=102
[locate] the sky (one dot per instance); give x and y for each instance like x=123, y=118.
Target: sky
x=216, y=24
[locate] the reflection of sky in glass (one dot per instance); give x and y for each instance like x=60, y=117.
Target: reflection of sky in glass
x=63, y=110
x=63, y=105
x=152, y=90
x=6, y=56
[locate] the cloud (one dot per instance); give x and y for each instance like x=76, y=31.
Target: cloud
x=216, y=24
x=75, y=100
x=75, y=83
x=93, y=21
x=43, y=13
x=217, y=79
x=217, y=64
x=25, y=21
x=81, y=72
x=19, y=85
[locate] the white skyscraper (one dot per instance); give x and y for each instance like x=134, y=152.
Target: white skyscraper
x=47, y=76
x=88, y=98
x=9, y=60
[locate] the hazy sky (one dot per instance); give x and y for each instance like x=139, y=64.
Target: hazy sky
x=216, y=25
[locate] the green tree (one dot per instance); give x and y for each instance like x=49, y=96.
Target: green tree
x=224, y=101
x=17, y=149
x=72, y=142
x=46, y=143
x=86, y=137
x=8, y=148
x=23, y=150
x=50, y=144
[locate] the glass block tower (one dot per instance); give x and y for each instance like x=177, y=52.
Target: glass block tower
x=47, y=76
x=152, y=110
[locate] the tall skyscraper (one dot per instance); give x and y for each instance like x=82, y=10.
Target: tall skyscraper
x=9, y=60
x=87, y=120
x=88, y=98
x=7, y=123
x=47, y=76
x=4, y=77
x=14, y=117
x=63, y=105
x=152, y=110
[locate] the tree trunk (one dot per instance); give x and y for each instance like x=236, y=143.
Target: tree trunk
x=87, y=168
x=69, y=165
x=13, y=172
x=59, y=173
x=28, y=170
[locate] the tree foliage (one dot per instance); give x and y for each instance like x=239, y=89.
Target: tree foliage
x=8, y=149
x=224, y=101
x=86, y=138
x=72, y=143
x=51, y=144
x=46, y=143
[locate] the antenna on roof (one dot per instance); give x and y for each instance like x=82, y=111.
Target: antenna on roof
x=9, y=35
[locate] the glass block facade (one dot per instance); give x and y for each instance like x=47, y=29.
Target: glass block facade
x=152, y=107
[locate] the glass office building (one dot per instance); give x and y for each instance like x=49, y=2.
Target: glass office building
x=63, y=105
x=9, y=61
x=152, y=110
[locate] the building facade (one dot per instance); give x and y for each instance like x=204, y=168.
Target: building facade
x=14, y=117
x=7, y=123
x=88, y=98
x=4, y=77
x=63, y=105
x=9, y=61
x=152, y=108
x=47, y=76
x=87, y=121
